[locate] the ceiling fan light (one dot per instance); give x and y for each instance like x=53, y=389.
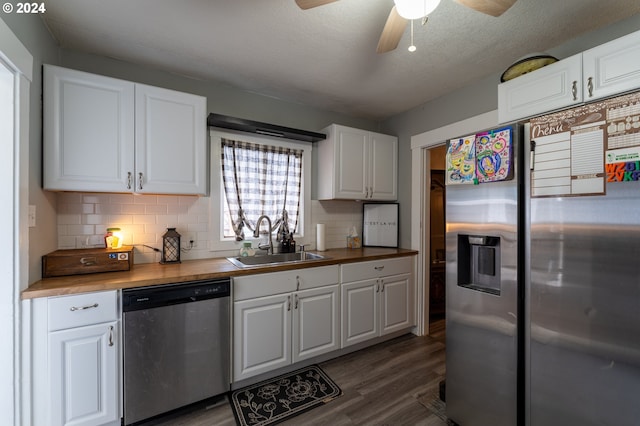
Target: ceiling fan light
x=414, y=9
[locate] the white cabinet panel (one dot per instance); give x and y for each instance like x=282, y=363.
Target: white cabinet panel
x=359, y=312
x=82, y=309
x=316, y=322
x=259, y=285
x=384, y=167
x=376, y=268
x=88, y=131
x=396, y=304
x=352, y=152
x=555, y=86
x=262, y=335
x=170, y=128
x=83, y=375
x=612, y=68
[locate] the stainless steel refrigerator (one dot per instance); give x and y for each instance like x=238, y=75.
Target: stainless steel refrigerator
x=584, y=280
x=543, y=277
x=483, y=287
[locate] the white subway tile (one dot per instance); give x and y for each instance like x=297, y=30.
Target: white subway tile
x=168, y=199
x=93, y=219
x=155, y=209
x=80, y=230
x=107, y=208
x=66, y=242
x=144, y=219
x=132, y=208
x=95, y=198
x=119, y=220
x=177, y=209
x=69, y=219
x=145, y=199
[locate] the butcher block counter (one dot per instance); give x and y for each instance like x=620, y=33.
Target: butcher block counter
x=147, y=274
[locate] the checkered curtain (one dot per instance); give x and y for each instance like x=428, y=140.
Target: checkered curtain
x=261, y=180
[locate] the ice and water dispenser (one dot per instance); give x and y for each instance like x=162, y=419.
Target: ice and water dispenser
x=479, y=263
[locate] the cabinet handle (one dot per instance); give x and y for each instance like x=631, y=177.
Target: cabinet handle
x=289, y=303
x=129, y=179
x=295, y=306
x=590, y=86
x=110, y=335
x=140, y=178
x=377, y=286
x=378, y=268
x=574, y=90
x=381, y=286
x=82, y=308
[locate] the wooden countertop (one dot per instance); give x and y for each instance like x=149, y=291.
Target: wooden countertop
x=147, y=274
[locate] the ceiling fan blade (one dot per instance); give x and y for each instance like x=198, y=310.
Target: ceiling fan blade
x=308, y=4
x=392, y=32
x=489, y=7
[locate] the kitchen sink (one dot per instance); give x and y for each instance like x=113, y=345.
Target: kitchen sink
x=274, y=259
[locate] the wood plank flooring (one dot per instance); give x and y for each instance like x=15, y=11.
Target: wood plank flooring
x=392, y=383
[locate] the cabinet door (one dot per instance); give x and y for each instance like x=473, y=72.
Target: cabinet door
x=261, y=335
x=383, y=173
x=351, y=162
x=84, y=375
x=315, y=322
x=359, y=311
x=612, y=68
x=170, y=141
x=396, y=304
x=555, y=86
x=88, y=131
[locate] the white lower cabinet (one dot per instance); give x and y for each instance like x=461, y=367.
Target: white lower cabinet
x=284, y=317
x=83, y=377
x=377, y=299
x=75, y=360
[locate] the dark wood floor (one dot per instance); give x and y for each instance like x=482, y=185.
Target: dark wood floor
x=393, y=383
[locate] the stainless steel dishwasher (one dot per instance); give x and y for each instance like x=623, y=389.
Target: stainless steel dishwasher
x=176, y=346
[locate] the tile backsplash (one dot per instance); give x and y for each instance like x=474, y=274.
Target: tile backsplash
x=84, y=217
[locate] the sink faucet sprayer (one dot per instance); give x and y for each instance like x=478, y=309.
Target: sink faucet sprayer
x=256, y=234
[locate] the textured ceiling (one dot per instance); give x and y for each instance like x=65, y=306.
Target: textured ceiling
x=324, y=57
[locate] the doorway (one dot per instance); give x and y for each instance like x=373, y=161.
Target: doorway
x=437, y=233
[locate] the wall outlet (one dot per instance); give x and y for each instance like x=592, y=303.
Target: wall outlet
x=186, y=238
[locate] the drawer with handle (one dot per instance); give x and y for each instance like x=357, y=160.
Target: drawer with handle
x=82, y=309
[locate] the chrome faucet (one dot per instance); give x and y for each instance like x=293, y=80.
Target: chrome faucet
x=256, y=234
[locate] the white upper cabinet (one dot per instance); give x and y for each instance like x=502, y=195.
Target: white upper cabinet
x=612, y=68
x=555, y=86
x=606, y=70
x=88, y=131
x=357, y=164
x=103, y=134
x=171, y=146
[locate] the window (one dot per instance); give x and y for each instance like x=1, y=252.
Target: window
x=268, y=175
x=260, y=180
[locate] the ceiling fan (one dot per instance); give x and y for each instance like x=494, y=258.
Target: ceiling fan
x=406, y=10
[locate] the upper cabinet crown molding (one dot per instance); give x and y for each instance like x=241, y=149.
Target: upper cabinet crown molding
x=103, y=134
x=603, y=71
x=357, y=165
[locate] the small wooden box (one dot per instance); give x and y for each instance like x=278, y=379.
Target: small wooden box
x=86, y=261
